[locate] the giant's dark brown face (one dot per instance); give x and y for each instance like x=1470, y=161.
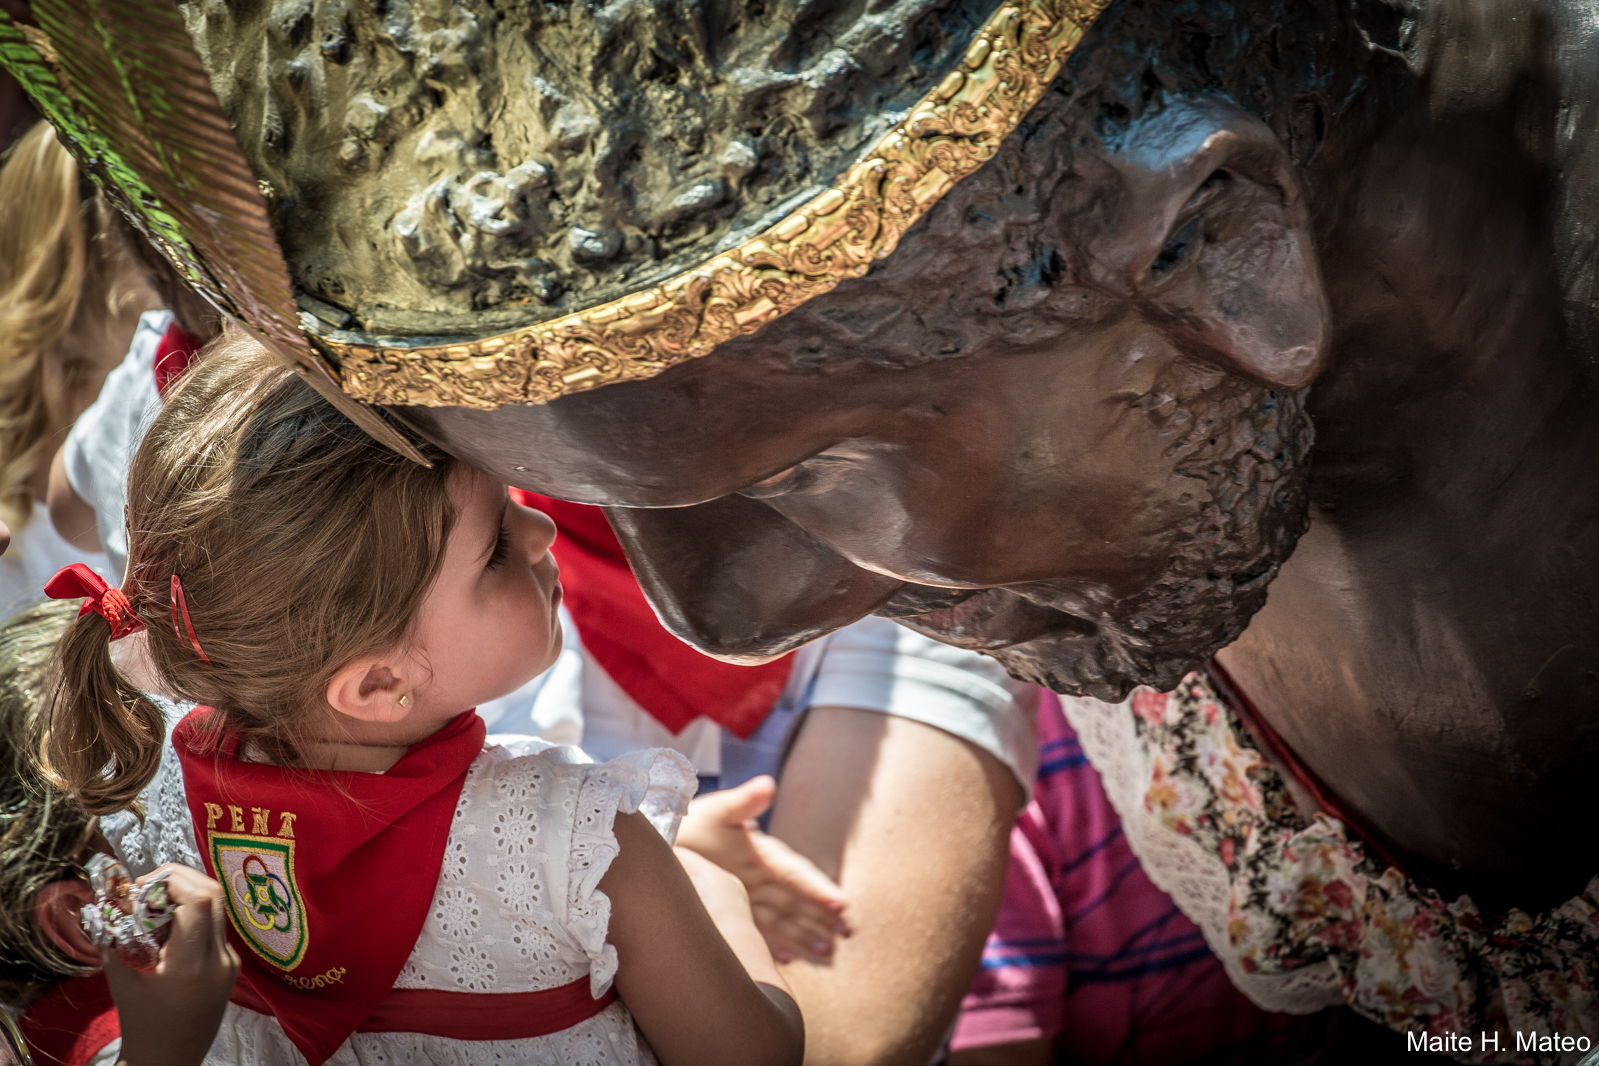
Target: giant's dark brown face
x=1062, y=424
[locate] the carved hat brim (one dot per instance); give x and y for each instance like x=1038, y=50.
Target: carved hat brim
x=124, y=84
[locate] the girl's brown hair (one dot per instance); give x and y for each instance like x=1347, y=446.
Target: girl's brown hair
x=301, y=544
x=70, y=297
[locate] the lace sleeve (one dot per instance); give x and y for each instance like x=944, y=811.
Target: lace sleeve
x=657, y=782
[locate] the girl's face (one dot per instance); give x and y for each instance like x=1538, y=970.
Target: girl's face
x=489, y=624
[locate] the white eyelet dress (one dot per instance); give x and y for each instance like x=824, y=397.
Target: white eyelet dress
x=517, y=908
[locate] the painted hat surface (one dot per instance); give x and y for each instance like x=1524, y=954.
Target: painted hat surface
x=440, y=202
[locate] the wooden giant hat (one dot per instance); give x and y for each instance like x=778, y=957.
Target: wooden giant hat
x=442, y=203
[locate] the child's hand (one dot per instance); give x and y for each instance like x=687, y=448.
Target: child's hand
x=171, y=1014
x=797, y=908
x=723, y=894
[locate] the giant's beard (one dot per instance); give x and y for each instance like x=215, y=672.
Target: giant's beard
x=1246, y=450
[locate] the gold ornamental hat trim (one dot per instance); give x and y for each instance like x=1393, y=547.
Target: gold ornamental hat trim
x=838, y=234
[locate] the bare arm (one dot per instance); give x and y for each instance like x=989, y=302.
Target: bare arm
x=701, y=984
x=72, y=516
x=914, y=824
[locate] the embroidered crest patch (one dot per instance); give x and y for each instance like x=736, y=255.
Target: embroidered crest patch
x=257, y=875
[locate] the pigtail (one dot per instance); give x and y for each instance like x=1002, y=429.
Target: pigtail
x=102, y=736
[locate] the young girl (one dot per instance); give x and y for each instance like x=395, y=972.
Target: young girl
x=398, y=891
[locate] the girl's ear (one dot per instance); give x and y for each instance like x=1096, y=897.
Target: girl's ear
x=56, y=908
x=369, y=691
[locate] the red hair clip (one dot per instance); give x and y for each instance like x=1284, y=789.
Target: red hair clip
x=186, y=631
x=104, y=600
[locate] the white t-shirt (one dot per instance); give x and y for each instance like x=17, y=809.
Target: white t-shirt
x=100, y=447
x=873, y=664
x=37, y=551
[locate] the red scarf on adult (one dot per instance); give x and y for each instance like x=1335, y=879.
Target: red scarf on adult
x=668, y=678
x=173, y=356
x=328, y=875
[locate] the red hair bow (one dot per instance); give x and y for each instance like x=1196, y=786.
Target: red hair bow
x=104, y=600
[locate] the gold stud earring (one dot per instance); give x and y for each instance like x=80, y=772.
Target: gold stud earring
x=405, y=700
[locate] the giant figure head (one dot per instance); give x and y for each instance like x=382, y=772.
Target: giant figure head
x=994, y=318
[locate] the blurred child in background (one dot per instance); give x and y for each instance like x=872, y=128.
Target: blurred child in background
x=70, y=299
x=88, y=479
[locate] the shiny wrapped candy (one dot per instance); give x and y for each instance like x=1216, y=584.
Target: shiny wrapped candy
x=133, y=920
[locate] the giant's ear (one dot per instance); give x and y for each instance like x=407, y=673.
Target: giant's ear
x=1214, y=243
x=57, y=908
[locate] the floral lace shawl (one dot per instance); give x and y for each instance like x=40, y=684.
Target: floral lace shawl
x=1302, y=916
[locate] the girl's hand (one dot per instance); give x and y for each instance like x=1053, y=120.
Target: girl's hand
x=724, y=895
x=797, y=908
x=171, y=1014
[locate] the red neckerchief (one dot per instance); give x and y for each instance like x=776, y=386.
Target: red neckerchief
x=172, y=356
x=668, y=678
x=328, y=875
x=72, y=1023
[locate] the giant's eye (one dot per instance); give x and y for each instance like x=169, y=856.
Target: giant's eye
x=1183, y=246
x=776, y=485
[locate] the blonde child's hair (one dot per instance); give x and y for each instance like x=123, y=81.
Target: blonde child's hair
x=67, y=284
x=301, y=545
x=43, y=831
